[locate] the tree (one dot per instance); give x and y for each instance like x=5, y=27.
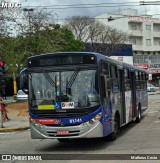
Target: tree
x=106, y=38
x=34, y=35
x=31, y=34
x=100, y=36
x=80, y=26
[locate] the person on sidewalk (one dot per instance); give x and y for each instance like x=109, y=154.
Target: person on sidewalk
x=4, y=111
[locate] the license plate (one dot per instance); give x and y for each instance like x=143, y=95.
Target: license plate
x=62, y=132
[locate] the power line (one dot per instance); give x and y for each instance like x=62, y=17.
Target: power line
x=149, y=2
x=79, y=7
x=95, y=4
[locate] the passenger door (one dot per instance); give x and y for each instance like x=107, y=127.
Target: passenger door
x=107, y=104
x=133, y=89
x=122, y=95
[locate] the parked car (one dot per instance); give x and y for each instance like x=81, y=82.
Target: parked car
x=150, y=87
x=21, y=95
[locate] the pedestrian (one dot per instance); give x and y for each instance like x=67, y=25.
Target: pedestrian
x=4, y=111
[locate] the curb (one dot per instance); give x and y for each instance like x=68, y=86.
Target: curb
x=14, y=129
x=154, y=94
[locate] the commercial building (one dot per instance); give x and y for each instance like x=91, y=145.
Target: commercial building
x=144, y=35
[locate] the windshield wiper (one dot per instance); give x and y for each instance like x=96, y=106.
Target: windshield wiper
x=73, y=77
x=49, y=79
x=71, y=80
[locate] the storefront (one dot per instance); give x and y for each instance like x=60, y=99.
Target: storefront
x=154, y=72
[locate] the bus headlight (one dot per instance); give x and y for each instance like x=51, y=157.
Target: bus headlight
x=36, y=123
x=93, y=120
x=98, y=116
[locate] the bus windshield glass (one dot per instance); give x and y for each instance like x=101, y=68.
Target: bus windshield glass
x=76, y=89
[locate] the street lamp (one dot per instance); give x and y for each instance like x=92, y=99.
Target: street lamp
x=29, y=16
x=30, y=9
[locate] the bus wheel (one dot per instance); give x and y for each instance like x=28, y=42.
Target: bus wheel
x=138, y=119
x=114, y=134
x=63, y=140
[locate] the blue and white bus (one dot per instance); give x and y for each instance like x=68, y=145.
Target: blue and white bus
x=82, y=95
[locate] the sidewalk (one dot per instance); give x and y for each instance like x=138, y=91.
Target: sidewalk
x=16, y=121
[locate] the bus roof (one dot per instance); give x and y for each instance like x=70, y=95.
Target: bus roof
x=120, y=63
x=99, y=58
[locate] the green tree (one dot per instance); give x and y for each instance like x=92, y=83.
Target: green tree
x=35, y=37
x=32, y=36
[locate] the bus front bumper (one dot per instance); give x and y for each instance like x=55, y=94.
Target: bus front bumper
x=78, y=131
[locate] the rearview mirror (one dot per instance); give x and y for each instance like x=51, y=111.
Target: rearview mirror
x=24, y=80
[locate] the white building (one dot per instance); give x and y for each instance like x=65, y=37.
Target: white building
x=144, y=34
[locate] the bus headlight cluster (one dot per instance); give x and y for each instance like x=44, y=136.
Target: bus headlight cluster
x=36, y=123
x=93, y=120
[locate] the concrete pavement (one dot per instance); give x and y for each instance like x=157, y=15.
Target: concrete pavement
x=17, y=123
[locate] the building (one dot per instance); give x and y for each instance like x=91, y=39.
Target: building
x=144, y=35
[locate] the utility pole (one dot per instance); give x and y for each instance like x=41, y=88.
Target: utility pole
x=29, y=22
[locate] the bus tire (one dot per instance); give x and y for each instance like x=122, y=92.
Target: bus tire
x=63, y=140
x=138, y=119
x=114, y=134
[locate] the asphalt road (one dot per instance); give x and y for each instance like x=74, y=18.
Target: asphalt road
x=140, y=138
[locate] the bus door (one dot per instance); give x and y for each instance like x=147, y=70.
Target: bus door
x=122, y=94
x=107, y=104
x=133, y=90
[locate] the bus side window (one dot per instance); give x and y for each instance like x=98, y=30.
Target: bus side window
x=127, y=80
x=113, y=70
x=137, y=81
x=103, y=88
x=145, y=80
x=114, y=81
x=141, y=80
x=105, y=68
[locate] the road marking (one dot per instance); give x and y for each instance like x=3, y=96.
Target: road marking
x=154, y=102
x=6, y=133
x=156, y=121
x=152, y=111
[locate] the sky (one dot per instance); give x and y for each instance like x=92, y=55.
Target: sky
x=61, y=14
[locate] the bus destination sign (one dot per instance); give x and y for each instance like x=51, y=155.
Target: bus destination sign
x=52, y=60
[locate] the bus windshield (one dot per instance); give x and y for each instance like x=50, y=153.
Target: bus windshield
x=69, y=89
